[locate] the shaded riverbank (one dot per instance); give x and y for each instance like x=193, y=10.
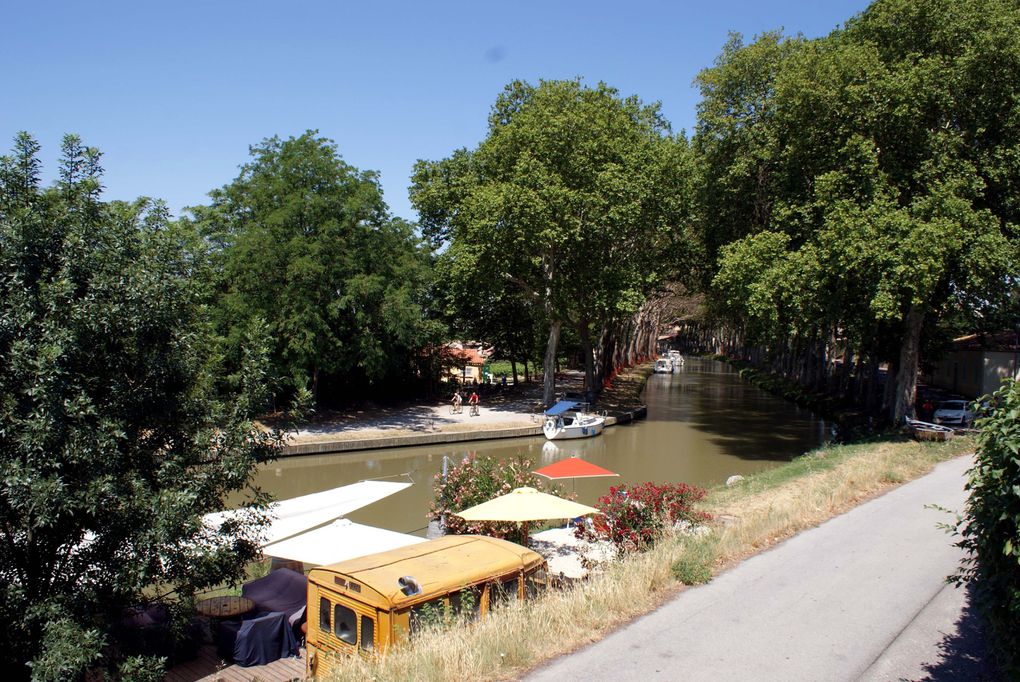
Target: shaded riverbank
x=505, y=412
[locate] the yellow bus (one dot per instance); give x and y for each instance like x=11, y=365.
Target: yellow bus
x=368, y=604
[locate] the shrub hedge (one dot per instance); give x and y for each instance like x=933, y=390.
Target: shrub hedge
x=990, y=526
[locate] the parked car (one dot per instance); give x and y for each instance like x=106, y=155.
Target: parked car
x=954, y=413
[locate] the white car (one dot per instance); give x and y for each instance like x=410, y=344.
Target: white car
x=954, y=413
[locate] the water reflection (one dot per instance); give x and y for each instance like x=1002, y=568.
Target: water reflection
x=704, y=424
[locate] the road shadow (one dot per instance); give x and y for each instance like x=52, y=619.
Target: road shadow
x=964, y=654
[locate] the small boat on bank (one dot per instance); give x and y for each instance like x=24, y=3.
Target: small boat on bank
x=568, y=419
x=927, y=431
x=663, y=366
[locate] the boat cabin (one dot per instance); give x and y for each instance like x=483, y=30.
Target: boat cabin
x=663, y=366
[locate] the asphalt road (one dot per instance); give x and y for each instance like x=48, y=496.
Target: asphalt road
x=863, y=596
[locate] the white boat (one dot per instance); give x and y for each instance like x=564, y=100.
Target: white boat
x=663, y=366
x=564, y=420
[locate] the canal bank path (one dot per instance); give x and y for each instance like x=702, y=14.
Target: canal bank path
x=861, y=597
x=505, y=412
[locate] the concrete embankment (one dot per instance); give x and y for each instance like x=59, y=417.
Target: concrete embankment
x=351, y=442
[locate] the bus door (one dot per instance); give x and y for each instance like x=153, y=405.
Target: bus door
x=347, y=626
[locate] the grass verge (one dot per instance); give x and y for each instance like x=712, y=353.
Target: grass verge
x=759, y=511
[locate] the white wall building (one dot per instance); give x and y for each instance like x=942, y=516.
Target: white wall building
x=977, y=364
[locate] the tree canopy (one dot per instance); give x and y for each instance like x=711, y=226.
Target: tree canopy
x=570, y=199
x=883, y=182
x=305, y=242
x=113, y=439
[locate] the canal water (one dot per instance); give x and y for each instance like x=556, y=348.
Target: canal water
x=704, y=424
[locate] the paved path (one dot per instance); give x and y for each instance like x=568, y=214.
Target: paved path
x=860, y=597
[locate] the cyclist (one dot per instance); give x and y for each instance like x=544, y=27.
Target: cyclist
x=473, y=402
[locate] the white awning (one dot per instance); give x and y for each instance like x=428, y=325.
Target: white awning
x=339, y=541
x=299, y=514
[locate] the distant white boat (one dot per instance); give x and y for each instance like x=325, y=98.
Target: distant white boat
x=676, y=359
x=564, y=420
x=663, y=366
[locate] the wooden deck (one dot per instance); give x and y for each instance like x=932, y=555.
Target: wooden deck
x=209, y=667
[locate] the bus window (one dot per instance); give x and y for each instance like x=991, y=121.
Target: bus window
x=367, y=633
x=535, y=583
x=502, y=592
x=324, y=614
x=466, y=603
x=431, y=612
x=345, y=624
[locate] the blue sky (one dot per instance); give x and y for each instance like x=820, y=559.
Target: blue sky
x=174, y=93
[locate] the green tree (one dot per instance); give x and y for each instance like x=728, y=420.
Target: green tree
x=570, y=198
x=484, y=308
x=113, y=443
x=305, y=242
x=892, y=192
x=735, y=140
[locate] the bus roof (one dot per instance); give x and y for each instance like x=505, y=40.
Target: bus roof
x=439, y=566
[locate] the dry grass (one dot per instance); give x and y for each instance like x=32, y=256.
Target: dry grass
x=518, y=636
x=776, y=504
x=753, y=515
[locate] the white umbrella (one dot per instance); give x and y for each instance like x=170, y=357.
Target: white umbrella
x=298, y=514
x=339, y=541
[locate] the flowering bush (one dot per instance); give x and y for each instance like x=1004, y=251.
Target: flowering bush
x=479, y=479
x=633, y=518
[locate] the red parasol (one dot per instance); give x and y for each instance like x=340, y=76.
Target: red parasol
x=573, y=467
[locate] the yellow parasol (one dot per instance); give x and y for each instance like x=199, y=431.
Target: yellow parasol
x=524, y=505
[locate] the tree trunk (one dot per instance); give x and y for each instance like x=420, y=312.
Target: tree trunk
x=513, y=370
x=870, y=386
x=549, y=381
x=889, y=387
x=906, y=378
x=844, y=378
x=589, y=360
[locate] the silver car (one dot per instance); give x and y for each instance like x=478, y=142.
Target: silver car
x=954, y=413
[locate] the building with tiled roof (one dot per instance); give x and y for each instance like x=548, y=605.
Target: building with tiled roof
x=466, y=362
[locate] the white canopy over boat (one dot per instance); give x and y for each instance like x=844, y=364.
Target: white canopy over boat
x=299, y=514
x=341, y=540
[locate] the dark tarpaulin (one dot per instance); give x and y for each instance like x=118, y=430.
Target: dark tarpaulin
x=282, y=590
x=265, y=639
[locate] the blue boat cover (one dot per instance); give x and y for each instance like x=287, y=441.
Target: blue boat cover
x=561, y=407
